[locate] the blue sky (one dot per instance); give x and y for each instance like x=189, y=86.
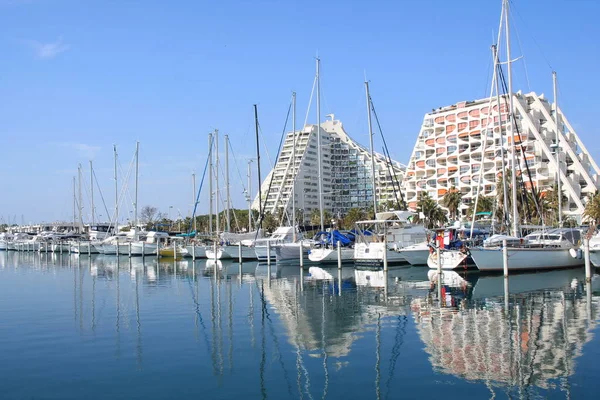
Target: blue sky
x=78, y=76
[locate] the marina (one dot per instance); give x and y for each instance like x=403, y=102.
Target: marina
x=302, y=260
x=108, y=326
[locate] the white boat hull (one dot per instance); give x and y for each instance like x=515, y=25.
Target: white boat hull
x=195, y=251
x=61, y=247
x=262, y=254
x=450, y=259
x=372, y=254
x=231, y=253
x=288, y=252
x=522, y=259
x=328, y=255
x=145, y=249
x=3, y=245
x=83, y=248
x=109, y=249
x=416, y=254
x=595, y=257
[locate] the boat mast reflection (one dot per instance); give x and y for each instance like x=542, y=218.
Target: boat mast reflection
x=532, y=343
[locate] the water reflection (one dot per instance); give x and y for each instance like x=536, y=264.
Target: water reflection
x=470, y=333
x=309, y=330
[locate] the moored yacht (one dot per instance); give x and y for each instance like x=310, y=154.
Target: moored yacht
x=389, y=232
x=5, y=238
x=283, y=234
x=327, y=250
x=540, y=250
x=416, y=254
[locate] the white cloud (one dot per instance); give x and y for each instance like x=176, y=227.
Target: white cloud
x=46, y=51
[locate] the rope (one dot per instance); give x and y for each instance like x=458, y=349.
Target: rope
x=201, y=183
x=516, y=126
x=400, y=203
x=261, y=217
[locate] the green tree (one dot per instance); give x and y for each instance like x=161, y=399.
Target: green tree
x=452, y=200
x=315, y=217
x=484, y=204
x=429, y=212
x=270, y=222
x=592, y=209
x=353, y=215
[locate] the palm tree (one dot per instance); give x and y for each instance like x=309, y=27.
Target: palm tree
x=592, y=208
x=315, y=217
x=353, y=215
x=430, y=212
x=484, y=204
x=451, y=201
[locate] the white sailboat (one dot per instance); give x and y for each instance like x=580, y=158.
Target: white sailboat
x=390, y=231
x=416, y=254
x=381, y=238
x=283, y=234
x=229, y=246
x=542, y=250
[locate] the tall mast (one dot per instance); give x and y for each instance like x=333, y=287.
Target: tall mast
x=74, y=207
x=80, y=200
x=504, y=183
x=319, y=150
x=92, y=192
x=511, y=125
x=373, y=180
x=249, y=196
x=558, y=182
x=137, y=170
x=217, y=181
x=227, y=183
x=116, y=230
x=293, y=194
x=210, y=183
x=194, y=201
x=260, y=208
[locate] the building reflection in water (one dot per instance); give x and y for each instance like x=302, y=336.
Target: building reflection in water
x=322, y=314
x=536, y=341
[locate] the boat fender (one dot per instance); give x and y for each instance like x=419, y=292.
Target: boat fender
x=573, y=253
x=579, y=254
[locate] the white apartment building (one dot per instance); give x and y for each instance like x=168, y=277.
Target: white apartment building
x=346, y=174
x=460, y=145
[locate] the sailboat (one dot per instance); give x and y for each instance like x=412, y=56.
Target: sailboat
x=265, y=248
x=334, y=243
x=545, y=249
x=380, y=239
x=291, y=252
x=231, y=244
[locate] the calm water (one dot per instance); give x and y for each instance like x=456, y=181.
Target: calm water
x=116, y=328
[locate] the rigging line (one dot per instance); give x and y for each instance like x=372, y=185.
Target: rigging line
x=487, y=76
x=201, y=183
x=125, y=188
x=261, y=217
x=522, y=56
x=265, y=146
x=522, y=149
x=241, y=181
x=515, y=10
x=312, y=93
x=401, y=204
x=237, y=167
